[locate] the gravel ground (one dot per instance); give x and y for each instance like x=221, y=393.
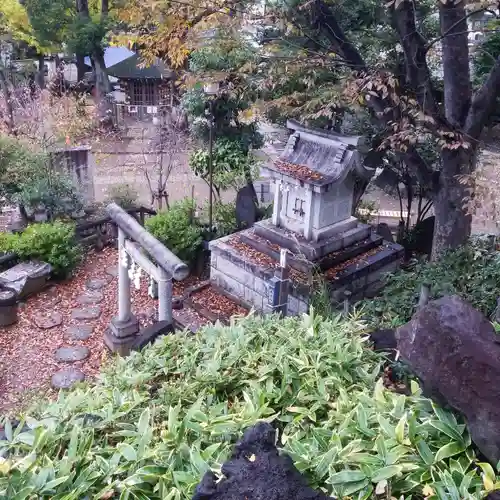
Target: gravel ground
x=27, y=353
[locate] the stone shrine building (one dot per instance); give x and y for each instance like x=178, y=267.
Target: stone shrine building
x=314, y=180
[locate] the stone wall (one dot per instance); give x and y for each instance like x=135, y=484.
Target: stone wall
x=247, y=282
x=252, y=280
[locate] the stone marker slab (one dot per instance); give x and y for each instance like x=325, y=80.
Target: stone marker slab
x=72, y=354
x=48, y=321
x=246, y=207
x=90, y=297
x=96, y=283
x=78, y=332
x=64, y=379
x=92, y=312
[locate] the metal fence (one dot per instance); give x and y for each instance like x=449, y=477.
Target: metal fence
x=126, y=115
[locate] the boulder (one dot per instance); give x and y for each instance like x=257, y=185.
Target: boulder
x=453, y=349
x=256, y=471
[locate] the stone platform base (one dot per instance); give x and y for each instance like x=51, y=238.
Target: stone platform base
x=245, y=267
x=122, y=338
x=350, y=232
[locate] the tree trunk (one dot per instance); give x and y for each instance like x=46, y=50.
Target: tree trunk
x=40, y=76
x=453, y=220
x=80, y=67
x=103, y=87
x=4, y=86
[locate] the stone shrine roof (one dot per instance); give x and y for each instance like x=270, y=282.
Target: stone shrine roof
x=319, y=157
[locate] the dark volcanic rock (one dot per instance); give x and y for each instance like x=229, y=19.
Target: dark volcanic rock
x=423, y=235
x=384, y=230
x=453, y=350
x=256, y=471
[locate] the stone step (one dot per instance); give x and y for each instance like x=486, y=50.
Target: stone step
x=78, y=332
x=112, y=271
x=70, y=354
x=66, y=378
x=86, y=313
x=312, y=250
x=264, y=246
x=348, y=253
x=96, y=283
x=90, y=297
x=46, y=321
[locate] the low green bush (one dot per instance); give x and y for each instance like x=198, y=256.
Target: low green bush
x=472, y=271
x=124, y=195
x=52, y=242
x=177, y=229
x=155, y=422
x=224, y=218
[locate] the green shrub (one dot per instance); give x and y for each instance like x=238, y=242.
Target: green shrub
x=50, y=242
x=28, y=178
x=365, y=211
x=177, y=230
x=55, y=193
x=124, y=195
x=473, y=272
x=156, y=421
x=224, y=218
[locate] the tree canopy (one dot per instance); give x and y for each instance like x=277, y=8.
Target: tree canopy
x=328, y=60
x=399, y=72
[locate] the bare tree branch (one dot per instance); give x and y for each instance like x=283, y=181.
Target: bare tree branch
x=483, y=103
x=326, y=22
x=453, y=26
x=418, y=76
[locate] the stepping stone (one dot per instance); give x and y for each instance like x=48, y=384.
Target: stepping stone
x=78, y=332
x=90, y=297
x=64, y=379
x=72, y=354
x=92, y=312
x=112, y=271
x=46, y=321
x=96, y=283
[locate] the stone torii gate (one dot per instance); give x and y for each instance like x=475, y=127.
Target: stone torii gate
x=134, y=242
